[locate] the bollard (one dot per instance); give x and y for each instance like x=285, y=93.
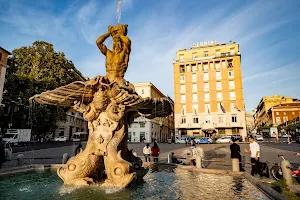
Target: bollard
x=235, y=164
x=198, y=161
x=170, y=158
x=65, y=158
x=20, y=160
x=287, y=172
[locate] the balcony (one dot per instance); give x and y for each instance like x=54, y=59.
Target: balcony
x=218, y=77
x=232, y=98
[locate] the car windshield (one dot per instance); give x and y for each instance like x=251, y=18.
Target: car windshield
x=8, y=135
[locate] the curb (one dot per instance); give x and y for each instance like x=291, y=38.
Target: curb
x=264, y=187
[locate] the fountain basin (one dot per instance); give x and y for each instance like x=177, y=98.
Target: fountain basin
x=161, y=182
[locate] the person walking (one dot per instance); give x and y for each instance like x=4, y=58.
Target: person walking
x=236, y=152
x=254, y=150
x=155, y=152
x=147, y=153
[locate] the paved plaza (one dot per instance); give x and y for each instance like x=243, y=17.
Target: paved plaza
x=217, y=156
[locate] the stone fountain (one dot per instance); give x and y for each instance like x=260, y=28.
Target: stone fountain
x=109, y=103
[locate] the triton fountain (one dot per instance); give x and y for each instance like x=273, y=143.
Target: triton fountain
x=109, y=103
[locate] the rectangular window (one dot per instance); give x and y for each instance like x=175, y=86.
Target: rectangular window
x=231, y=84
x=194, y=77
x=230, y=65
x=207, y=119
x=142, y=125
x=277, y=113
x=205, y=75
x=194, y=68
x=183, y=109
x=220, y=119
x=285, y=119
x=219, y=96
x=182, y=97
x=207, y=107
x=181, y=57
x=195, y=98
x=219, y=105
x=232, y=51
x=142, y=91
x=232, y=106
x=218, y=75
x=211, y=65
x=195, y=109
x=183, y=120
x=195, y=120
x=182, y=87
x=278, y=121
x=181, y=77
x=206, y=96
x=205, y=66
x=217, y=65
x=194, y=87
x=230, y=74
x=233, y=118
x=232, y=95
x=182, y=68
x=205, y=54
x=223, y=63
x=194, y=56
x=293, y=113
x=218, y=85
x=206, y=86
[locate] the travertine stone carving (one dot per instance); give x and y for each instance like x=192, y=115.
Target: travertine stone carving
x=109, y=104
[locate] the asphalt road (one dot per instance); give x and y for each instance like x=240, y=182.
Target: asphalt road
x=39, y=145
x=295, y=147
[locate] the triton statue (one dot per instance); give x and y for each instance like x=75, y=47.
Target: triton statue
x=109, y=104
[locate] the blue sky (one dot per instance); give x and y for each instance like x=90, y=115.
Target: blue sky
x=268, y=33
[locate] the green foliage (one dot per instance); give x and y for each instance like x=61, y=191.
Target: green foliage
x=35, y=69
x=281, y=187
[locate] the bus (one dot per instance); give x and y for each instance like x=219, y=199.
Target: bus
x=80, y=136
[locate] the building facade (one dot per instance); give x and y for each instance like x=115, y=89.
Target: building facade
x=249, y=122
x=208, y=90
x=261, y=116
x=148, y=130
x=74, y=123
x=283, y=113
x=3, y=66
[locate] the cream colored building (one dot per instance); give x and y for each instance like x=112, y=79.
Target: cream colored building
x=148, y=130
x=249, y=122
x=3, y=66
x=74, y=123
x=208, y=90
x=261, y=115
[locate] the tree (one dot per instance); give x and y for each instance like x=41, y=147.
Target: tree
x=35, y=69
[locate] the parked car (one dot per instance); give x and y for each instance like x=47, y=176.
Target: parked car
x=237, y=137
x=286, y=136
x=180, y=141
x=203, y=140
x=259, y=138
x=60, y=139
x=224, y=139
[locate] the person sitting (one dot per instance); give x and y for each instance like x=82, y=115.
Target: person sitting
x=174, y=159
